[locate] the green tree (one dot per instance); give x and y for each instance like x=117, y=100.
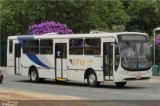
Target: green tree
x=145, y=15
x=81, y=16
x=17, y=16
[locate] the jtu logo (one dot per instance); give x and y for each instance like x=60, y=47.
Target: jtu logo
x=77, y=61
x=80, y=61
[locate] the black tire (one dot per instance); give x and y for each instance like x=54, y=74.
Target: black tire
x=34, y=77
x=41, y=79
x=120, y=84
x=92, y=79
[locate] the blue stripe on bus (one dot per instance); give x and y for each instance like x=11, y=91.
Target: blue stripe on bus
x=32, y=57
x=36, y=60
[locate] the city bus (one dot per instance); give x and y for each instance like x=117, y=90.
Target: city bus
x=92, y=58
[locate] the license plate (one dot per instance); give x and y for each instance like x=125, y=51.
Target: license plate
x=138, y=76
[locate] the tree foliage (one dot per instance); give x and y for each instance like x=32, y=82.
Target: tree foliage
x=144, y=15
x=80, y=15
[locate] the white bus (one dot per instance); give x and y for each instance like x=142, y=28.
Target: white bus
x=94, y=58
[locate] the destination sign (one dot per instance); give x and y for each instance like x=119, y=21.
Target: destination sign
x=132, y=38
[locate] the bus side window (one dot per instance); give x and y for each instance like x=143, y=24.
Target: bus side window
x=26, y=46
x=46, y=46
x=92, y=46
x=10, y=46
x=34, y=46
x=76, y=46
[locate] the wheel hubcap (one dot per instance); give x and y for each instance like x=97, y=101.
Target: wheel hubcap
x=92, y=78
x=33, y=75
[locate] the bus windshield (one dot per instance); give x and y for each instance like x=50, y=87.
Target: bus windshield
x=135, y=53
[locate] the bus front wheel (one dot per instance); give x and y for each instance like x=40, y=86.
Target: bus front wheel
x=120, y=84
x=92, y=79
x=34, y=75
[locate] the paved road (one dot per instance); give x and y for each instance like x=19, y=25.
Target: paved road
x=146, y=90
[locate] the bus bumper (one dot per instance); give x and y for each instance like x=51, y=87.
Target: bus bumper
x=131, y=77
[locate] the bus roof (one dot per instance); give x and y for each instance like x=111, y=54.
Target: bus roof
x=56, y=36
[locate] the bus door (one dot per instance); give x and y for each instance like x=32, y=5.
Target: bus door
x=17, y=58
x=61, y=60
x=108, y=60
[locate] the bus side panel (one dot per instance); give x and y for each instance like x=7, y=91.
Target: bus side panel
x=25, y=71
x=78, y=64
x=76, y=75
x=99, y=69
x=99, y=75
x=43, y=72
x=46, y=73
x=25, y=64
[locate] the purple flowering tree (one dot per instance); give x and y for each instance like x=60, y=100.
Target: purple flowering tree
x=158, y=40
x=49, y=27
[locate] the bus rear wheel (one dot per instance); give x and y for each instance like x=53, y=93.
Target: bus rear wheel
x=34, y=77
x=92, y=79
x=120, y=84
